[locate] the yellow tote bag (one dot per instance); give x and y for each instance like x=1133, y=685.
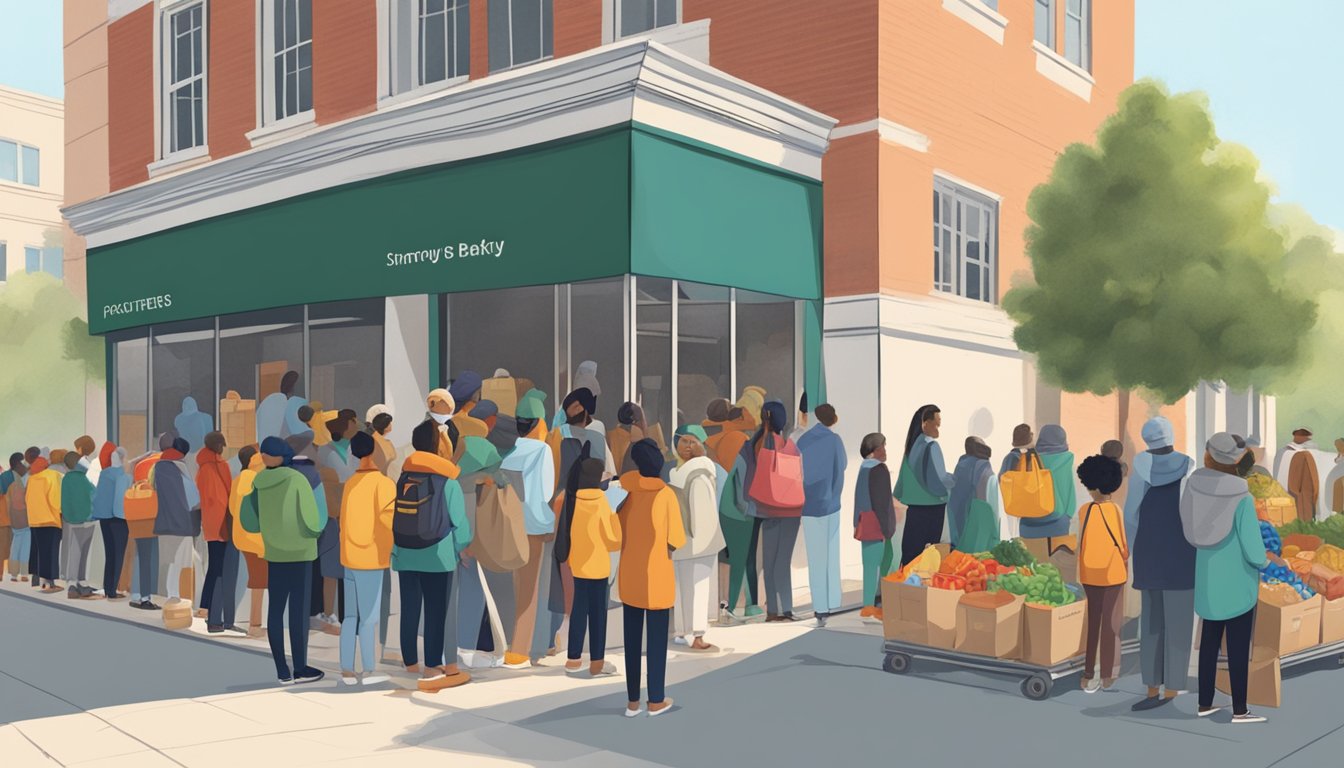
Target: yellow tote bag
x=1028, y=490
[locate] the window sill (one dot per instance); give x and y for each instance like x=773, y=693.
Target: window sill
x=179, y=161
x=283, y=129
x=690, y=38
x=423, y=91
x=980, y=16
x=1063, y=72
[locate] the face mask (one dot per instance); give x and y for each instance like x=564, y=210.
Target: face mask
x=441, y=418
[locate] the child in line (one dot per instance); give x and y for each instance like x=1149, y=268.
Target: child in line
x=1103, y=569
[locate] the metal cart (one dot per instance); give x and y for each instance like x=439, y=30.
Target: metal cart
x=1037, y=681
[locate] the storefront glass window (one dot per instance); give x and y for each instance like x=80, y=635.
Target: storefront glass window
x=184, y=367
x=345, y=347
x=704, y=354
x=257, y=349
x=131, y=351
x=765, y=347
x=653, y=351
x=597, y=334
x=513, y=329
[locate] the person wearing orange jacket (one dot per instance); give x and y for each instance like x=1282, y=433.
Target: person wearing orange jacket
x=249, y=545
x=367, y=502
x=214, y=481
x=44, y=517
x=651, y=529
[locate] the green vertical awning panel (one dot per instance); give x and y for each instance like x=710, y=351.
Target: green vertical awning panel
x=814, y=361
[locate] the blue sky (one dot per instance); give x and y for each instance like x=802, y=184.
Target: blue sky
x=1274, y=73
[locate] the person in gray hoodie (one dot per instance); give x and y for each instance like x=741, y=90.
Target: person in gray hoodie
x=1218, y=518
x=1163, y=566
x=179, y=519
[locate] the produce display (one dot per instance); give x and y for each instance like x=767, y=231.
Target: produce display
x=1266, y=487
x=1331, y=557
x=1278, y=593
x=1304, y=542
x=1281, y=572
x=1044, y=587
x=1330, y=530
x=1011, y=553
x=1270, y=537
x=961, y=571
x=926, y=564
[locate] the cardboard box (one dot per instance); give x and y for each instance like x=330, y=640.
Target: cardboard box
x=503, y=392
x=1281, y=630
x=1276, y=512
x=920, y=615
x=1332, y=621
x=1051, y=636
x=990, y=624
x=1264, y=686
x=238, y=420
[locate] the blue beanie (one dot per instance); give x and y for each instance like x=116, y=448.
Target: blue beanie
x=275, y=446
x=647, y=457
x=465, y=386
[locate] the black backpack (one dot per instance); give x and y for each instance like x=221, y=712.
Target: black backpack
x=420, y=518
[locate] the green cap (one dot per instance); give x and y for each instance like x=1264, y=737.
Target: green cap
x=694, y=430
x=531, y=406
x=478, y=454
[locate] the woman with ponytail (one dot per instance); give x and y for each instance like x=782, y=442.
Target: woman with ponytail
x=780, y=517
x=923, y=484
x=587, y=534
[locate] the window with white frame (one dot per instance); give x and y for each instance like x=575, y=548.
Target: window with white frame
x=50, y=260
x=1045, y=23
x=20, y=163
x=287, y=74
x=520, y=32
x=1078, y=32
x=183, y=64
x=965, y=242
x=635, y=17
x=430, y=42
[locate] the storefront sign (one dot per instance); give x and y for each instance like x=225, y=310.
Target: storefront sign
x=446, y=253
x=137, y=306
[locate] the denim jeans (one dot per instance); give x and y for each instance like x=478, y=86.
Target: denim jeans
x=20, y=550
x=363, y=601
x=145, y=576
x=288, y=586
x=114, y=549
x=589, y=612
x=427, y=592
x=657, y=651
x=822, y=537
x=221, y=584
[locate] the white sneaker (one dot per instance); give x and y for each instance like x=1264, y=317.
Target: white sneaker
x=1248, y=717
x=1092, y=686
x=349, y=679
x=680, y=640
x=375, y=679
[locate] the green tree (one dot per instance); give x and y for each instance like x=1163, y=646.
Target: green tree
x=1155, y=262
x=41, y=388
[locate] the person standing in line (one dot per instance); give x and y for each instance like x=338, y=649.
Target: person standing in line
x=378, y=423
x=694, y=482
x=1047, y=535
x=651, y=530
x=466, y=392
x=283, y=508
x=250, y=545
x=328, y=548
x=179, y=520
x=30, y=458
x=143, y=555
x=214, y=483
x=426, y=575
x=272, y=408
x=192, y=425
x=477, y=625
x=824, y=464
x=874, y=519
x=779, y=525
x=14, y=484
x=741, y=530
x=78, y=524
x=1103, y=570
x=631, y=427
x=973, y=505
x=923, y=484
x=6, y=522
x=440, y=406
x=594, y=533
x=532, y=460
x=1024, y=440
x=367, y=501
x=336, y=465
x=1218, y=518
x=43, y=499
x=1164, y=564
x=108, y=510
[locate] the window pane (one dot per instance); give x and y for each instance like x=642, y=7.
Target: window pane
x=526, y=31
x=513, y=329
x=547, y=26
x=182, y=110
x=196, y=47
x=497, y=27
x=184, y=367
x=1045, y=22
x=32, y=259
x=993, y=4
x=704, y=349
x=9, y=161
x=291, y=94
x=462, y=44
x=279, y=87
x=667, y=12
x=256, y=350
x=948, y=253
x=653, y=351
x=765, y=346
x=181, y=69
x=403, y=32
x=198, y=113
x=636, y=16
x=597, y=334
x=132, y=361
x=290, y=23
x=1073, y=33
x=434, y=48
x=53, y=262
x=345, y=347
x=305, y=20
x=31, y=165
x=304, y=79
x=972, y=274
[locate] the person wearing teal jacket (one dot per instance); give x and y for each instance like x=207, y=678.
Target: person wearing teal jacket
x=77, y=520
x=1218, y=519
x=283, y=509
x=923, y=484
x=426, y=575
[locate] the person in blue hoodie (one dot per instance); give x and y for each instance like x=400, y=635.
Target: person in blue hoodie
x=1163, y=565
x=192, y=425
x=824, y=464
x=113, y=483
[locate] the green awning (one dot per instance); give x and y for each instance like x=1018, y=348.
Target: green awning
x=617, y=201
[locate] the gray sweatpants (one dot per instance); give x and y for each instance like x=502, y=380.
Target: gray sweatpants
x=77, y=540
x=779, y=535
x=1166, y=628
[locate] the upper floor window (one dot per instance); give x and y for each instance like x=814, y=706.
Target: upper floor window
x=993, y=4
x=183, y=77
x=287, y=76
x=20, y=163
x=965, y=242
x=1078, y=32
x=430, y=42
x=1045, y=23
x=49, y=260
x=634, y=17
x=4, y=262
x=520, y=31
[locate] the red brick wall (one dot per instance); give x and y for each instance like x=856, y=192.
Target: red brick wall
x=232, y=77
x=578, y=26
x=130, y=83
x=345, y=58
x=480, y=40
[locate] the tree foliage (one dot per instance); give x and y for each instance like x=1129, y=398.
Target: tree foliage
x=1155, y=262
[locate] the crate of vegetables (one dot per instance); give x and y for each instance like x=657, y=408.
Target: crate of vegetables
x=990, y=624
x=1272, y=503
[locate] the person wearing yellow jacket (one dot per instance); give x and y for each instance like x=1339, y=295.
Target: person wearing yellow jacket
x=43, y=498
x=249, y=544
x=594, y=532
x=651, y=529
x=367, y=502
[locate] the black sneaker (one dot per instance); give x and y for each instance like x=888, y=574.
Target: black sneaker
x=1151, y=702
x=215, y=630
x=148, y=606
x=309, y=675
x=73, y=593
x=285, y=678
x=234, y=629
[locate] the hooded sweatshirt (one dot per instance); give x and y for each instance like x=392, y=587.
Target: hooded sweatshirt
x=110, y=495
x=1053, y=447
x=532, y=460
x=367, y=501
x=245, y=540
x=192, y=425
x=43, y=496
x=1218, y=518
x=725, y=446
x=213, y=482
x=971, y=478
x=76, y=496
x=443, y=557
x=701, y=521
x=595, y=532
x=1163, y=559
x=824, y=464
x=650, y=524
x=179, y=501
x=283, y=509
